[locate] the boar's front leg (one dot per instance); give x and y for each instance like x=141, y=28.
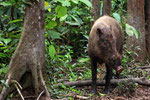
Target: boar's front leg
x=108, y=78
x=94, y=75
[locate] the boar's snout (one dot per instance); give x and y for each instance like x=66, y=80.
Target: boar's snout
x=119, y=69
x=116, y=63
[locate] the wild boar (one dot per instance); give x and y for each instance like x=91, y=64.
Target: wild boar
x=105, y=45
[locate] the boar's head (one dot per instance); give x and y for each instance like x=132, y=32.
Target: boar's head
x=108, y=48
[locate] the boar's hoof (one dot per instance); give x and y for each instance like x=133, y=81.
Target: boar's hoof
x=106, y=91
x=93, y=91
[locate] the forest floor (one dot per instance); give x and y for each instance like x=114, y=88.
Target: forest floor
x=140, y=93
x=127, y=91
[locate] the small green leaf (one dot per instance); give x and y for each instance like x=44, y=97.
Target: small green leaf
x=82, y=60
x=75, y=19
x=6, y=41
x=53, y=34
x=72, y=23
x=63, y=86
x=14, y=21
x=27, y=2
x=65, y=2
x=63, y=18
x=136, y=32
x=116, y=16
x=3, y=70
x=3, y=83
x=131, y=31
x=12, y=27
x=61, y=11
x=51, y=24
x=100, y=94
x=87, y=2
x=52, y=51
x=6, y=3
x=47, y=6
x=2, y=55
x=75, y=1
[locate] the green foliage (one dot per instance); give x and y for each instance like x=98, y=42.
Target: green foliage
x=61, y=11
x=54, y=35
x=6, y=3
x=47, y=6
x=119, y=6
x=87, y=2
x=3, y=83
x=117, y=17
x=52, y=51
x=51, y=24
x=131, y=31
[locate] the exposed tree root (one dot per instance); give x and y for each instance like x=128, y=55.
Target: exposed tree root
x=140, y=81
x=37, y=80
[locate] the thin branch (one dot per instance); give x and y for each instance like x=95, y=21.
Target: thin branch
x=16, y=83
x=140, y=67
x=80, y=97
x=40, y=95
x=140, y=81
x=143, y=67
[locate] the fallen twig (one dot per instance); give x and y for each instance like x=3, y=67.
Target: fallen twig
x=140, y=81
x=80, y=97
x=16, y=85
x=141, y=67
x=40, y=95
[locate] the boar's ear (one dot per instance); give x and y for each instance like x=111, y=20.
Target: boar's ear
x=99, y=32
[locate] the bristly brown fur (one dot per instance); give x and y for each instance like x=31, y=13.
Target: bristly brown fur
x=105, y=46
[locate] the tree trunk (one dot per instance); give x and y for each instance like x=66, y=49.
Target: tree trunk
x=135, y=10
x=147, y=26
x=106, y=7
x=95, y=11
x=28, y=62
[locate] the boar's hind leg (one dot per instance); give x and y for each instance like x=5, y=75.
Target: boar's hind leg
x=94, y=75
x=108, y=78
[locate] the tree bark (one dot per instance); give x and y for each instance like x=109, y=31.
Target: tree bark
x=106, y=7
x=147, y=26
x=28, y=62
x=95, y=11
x=140, y=81
x=135, y=11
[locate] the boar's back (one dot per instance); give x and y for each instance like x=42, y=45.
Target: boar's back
x=105, y=22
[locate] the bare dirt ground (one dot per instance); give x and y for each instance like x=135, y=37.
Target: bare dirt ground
x=141, y=93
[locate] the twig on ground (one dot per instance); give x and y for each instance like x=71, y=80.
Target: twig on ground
x=140, y=81
x=80, y=97
x=17, y=85
x=141, y=67
x=40, y=95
